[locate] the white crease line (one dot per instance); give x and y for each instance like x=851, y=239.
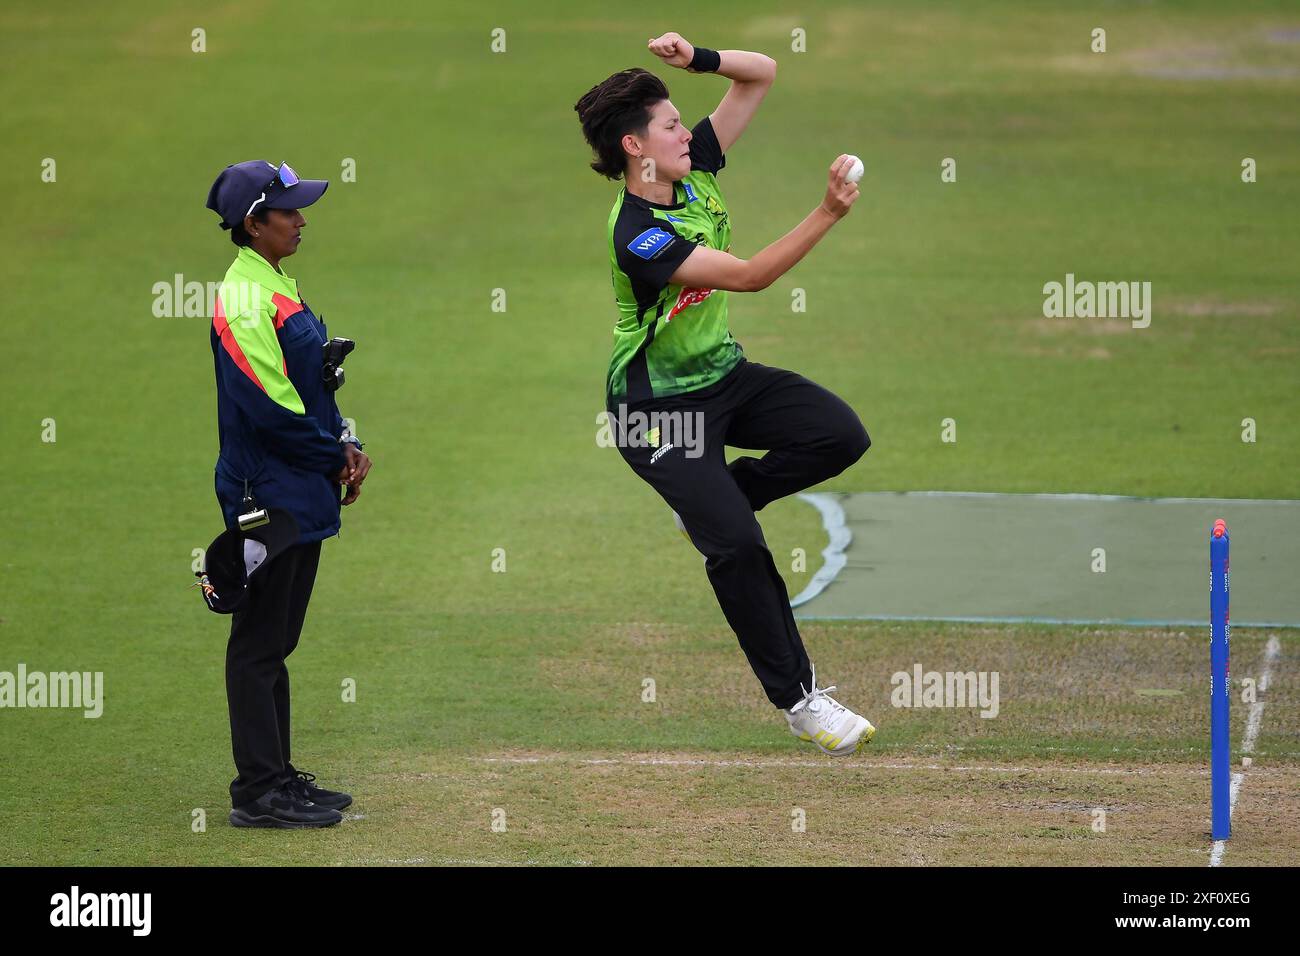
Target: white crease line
x=452, y=861
x=1271, y=652
x=763, y=764
x=1252, y=724
x=833, y=559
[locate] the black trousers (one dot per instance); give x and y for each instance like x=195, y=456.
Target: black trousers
x=813, y=435
x=262, y=635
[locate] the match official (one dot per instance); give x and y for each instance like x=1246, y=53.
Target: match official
x=285, y=453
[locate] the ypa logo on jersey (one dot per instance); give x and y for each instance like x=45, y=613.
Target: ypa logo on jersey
x=650, y=243
x=690, y=193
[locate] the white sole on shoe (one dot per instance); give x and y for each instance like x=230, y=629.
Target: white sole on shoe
x=864, y=738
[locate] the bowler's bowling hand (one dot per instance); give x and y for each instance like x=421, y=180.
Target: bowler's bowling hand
x=673, y=50
x=840, y=194
x=354, y=472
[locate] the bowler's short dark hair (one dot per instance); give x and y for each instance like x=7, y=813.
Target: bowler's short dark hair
x=612, y=109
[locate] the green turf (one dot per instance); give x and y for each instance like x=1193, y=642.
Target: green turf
x=924, y=304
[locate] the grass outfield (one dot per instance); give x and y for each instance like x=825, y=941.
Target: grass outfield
x=478, y=690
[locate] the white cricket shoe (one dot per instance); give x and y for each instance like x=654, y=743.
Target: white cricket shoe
x=821, y=719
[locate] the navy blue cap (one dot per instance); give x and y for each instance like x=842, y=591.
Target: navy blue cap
x=257, y=181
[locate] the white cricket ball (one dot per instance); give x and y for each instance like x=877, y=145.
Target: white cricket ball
x=856, y=169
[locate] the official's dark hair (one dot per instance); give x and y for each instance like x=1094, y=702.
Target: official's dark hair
x=239, y=235
x=612, y=109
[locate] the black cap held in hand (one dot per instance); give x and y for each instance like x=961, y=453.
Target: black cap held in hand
x=235, y=557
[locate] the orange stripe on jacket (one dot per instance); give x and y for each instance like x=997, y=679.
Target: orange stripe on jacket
x=232, y=348
x=284, y=307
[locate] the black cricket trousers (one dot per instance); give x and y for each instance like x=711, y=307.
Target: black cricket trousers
x=262, y=634
x=812, y=435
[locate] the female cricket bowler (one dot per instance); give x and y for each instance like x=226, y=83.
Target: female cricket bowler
x=675, y=360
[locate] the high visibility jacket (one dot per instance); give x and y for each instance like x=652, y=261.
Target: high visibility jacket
x=279, y=425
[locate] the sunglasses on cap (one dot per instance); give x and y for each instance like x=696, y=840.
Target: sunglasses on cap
x=287, y=178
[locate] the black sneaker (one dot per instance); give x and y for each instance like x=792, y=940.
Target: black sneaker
x=304, y=786
x=283, y=808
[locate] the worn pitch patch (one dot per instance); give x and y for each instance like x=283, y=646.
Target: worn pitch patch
x=1061, y=559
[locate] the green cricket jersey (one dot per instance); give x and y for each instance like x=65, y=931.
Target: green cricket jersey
x=670, y=339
